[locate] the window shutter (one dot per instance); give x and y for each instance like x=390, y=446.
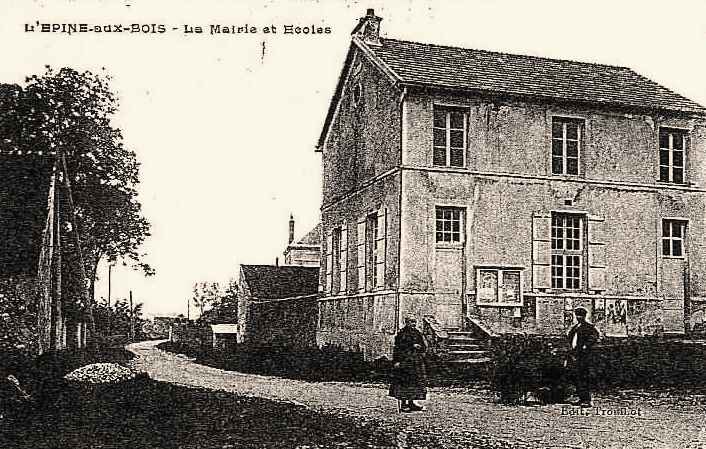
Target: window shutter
x=541, y=251
x=329, y=261
x=361, y=254
x=344, y=259
x=596, y=253
x=381, y=248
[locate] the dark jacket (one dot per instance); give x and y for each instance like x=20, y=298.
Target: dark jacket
x=586, y=336
x=408, y=380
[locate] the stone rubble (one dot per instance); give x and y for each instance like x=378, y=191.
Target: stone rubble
x=101, y=373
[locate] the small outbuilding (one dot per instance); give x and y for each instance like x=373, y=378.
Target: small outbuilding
x=224, y=335
x=278, y=305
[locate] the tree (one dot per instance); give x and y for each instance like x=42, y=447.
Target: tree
x=205, y=295
x=69, y=113
x=224, y=307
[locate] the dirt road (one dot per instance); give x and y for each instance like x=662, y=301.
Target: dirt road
x=638, y=420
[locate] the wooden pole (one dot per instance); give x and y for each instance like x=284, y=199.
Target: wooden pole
x=82, y=267
x=110, y=269
x=56, y=300
x=132, y=319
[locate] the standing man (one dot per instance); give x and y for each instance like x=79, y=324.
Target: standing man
x=582, y=337
x=409, y=377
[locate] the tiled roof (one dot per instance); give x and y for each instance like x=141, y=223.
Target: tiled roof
x=277, y=282
x=313, y=237
x=479, y=70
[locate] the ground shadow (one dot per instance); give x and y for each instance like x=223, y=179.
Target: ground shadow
x=148, y=414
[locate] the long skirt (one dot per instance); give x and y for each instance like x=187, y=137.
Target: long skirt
x=409, y=381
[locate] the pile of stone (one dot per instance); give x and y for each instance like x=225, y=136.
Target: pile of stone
x=101, y=373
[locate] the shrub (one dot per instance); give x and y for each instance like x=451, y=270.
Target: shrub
x=525, y=364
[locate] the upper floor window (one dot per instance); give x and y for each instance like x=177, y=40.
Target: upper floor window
x=567, y=139
x=450, y=129
x=672, y=151
x=673, y=236
x=567, y=251
x=448, y=224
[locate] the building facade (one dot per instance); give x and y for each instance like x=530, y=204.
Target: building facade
x=501, y=191
x=305, y=251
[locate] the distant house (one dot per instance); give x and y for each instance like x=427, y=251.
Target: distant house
x=497, y=192
x=305, y=251
x=277, y=305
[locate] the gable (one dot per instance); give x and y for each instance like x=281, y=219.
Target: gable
x=357, y=52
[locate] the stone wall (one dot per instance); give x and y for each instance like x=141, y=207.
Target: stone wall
x=289, y=323
x=364, y=323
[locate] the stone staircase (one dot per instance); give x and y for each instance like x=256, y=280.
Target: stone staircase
x=459, y=353
x=465, y=348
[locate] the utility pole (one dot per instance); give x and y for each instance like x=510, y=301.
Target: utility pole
x=132, y=320
x=110, y=269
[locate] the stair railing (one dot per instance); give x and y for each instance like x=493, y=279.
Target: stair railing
x=434, y=335
x=480, y=329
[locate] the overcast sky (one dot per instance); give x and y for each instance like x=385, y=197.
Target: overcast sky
x=226, y=132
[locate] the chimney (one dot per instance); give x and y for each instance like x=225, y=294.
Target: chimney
x=291, y=228
x=368, y=28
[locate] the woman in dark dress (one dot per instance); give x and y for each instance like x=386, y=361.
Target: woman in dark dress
x=409, y=376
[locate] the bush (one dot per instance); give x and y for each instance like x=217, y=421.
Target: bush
x=535, y=364
x=525, y=364
x=312, y=364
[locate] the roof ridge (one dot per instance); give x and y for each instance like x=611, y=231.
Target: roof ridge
x=500, y=53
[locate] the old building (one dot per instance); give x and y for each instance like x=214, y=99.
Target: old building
x=497, y=192
x=305, y=251
x=277, y=305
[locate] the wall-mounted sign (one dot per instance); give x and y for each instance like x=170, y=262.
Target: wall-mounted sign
x=498, y=287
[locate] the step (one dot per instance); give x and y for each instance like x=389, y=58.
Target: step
x=462, y=337
x=480, y=352
x=477, y=361
x=464, y=347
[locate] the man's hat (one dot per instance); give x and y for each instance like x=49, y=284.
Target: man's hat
x=580, y=311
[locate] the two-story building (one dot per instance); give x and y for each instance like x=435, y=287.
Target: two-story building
x=501, y=191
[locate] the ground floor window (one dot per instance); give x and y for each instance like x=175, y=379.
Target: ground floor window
x=566, y=271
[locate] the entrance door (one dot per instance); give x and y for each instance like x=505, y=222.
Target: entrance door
x=448, y=287
x=673, y=276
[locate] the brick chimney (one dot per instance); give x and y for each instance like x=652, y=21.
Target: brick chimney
x=368, y=28
x=291, y=228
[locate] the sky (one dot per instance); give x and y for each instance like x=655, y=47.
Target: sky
x=225, y=125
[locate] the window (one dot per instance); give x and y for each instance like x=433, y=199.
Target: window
x=567, y=138
x=336, y=260
x=448, y=224
x=673, y=236
x=450, y=136
x=672, y=149
x=498, y=287
x=357, y=93
x=567, y=251
x=371, y=260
